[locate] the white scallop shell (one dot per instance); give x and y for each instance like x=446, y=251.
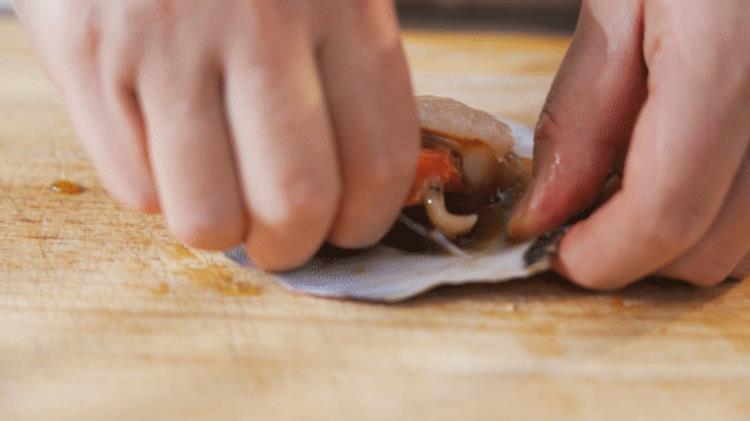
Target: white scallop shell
x=387, y=274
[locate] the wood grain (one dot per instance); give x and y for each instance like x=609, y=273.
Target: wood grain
x=104, y=316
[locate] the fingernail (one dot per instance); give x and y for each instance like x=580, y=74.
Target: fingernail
x=522, y=218
x=524, y=222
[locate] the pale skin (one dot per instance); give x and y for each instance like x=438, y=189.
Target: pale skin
x=285, y=124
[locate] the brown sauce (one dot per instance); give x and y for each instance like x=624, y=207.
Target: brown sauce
x=181, y=253
x=162, y=289
x=67, y=188
x=220, y=280
x=493, y=202
x=491, y=226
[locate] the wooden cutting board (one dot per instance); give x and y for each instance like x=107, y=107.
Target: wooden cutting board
x=104, y=316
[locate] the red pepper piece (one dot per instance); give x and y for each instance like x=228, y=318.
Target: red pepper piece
x=436, y=167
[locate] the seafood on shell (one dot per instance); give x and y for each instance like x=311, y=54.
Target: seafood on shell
x=467, y=162
x=472, y=169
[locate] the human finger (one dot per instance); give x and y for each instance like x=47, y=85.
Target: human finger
x=687, y=147
x=722, y=249
x=103, y=105
x=283, y=141
x=373, y=111
x=587, y=117
x=742, y=271
x=190, y=151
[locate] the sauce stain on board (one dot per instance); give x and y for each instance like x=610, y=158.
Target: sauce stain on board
x=733, y=331
x=67, y=187
x=213, y=277
x=500, y=311
x=219, y=279
x=162, y=289
x=541, y=341
x=181, y=253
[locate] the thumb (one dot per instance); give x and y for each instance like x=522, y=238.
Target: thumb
x=587, y=119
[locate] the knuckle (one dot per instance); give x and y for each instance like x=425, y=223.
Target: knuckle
x=554, y=119
x=673, y=226
x=161, y=16
x=367, y=10
x=594, y=281
x=359, y=223
x=661, y=46
x=82, y=45
x=364, y=6
x=264, y=59
x=289, y=227
x=80, y=41
x=709, y=279
x=713, y=271
x=386, y=171
x=308, y=195
x=210, y=232
x=705, y=271
x=137, y=198
x=375, y=25
x=262, y=19
x=277, y=261
x=596, y=277
x=595, y=269
x=742, y=270
x=741, y=273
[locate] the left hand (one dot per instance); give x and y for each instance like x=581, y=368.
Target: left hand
x=665, y=84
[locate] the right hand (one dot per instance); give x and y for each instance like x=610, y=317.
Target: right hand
x=282, y=124
x=658, y=91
